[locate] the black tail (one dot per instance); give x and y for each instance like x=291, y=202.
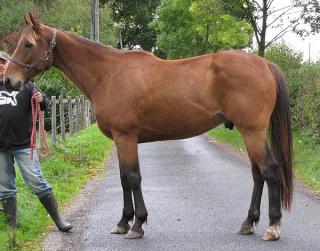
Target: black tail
x=281, y=137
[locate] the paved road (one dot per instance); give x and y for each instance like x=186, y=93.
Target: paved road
x=197, y=195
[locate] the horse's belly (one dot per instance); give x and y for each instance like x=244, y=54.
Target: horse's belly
x=178, y=128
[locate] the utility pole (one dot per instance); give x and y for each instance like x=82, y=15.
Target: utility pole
x=120, y=38
x=309, y=54
x=94, y=35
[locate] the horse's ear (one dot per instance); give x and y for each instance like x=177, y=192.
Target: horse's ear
x=26, y=21
x=35, y=22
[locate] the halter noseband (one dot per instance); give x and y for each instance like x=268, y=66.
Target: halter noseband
x=29, y=67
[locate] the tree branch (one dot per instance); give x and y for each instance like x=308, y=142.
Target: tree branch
x=289, y=6
x=255, y=29
x=259, y=6
x=269, y=3
x=279, y=35
x=278, y=17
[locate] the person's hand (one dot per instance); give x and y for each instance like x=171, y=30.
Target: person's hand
x=38, y=97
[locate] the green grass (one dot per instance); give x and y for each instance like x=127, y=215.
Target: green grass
x=231, y=137
x=67, y=170
x=306, y=154
x=307, y=160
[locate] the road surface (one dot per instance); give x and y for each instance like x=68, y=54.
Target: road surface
x=197, y=195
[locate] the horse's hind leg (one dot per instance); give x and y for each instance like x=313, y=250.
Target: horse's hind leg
x=260, y=154
x=128, y=157
x=253, y=217
x=128, y=210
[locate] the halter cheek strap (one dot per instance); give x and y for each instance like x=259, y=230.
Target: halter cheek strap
x=29, y=67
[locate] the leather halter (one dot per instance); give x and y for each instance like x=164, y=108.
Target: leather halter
x=29, y=67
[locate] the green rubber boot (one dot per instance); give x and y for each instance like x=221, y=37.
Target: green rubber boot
x=10, y=210
x=51, y=205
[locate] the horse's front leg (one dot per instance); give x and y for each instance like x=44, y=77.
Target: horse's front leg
x=128, y=210
x=129, y=163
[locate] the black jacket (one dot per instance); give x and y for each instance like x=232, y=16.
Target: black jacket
x=16, y=116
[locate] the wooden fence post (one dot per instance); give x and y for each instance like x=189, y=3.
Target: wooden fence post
x=78, y=112
x=92, y=116
x=70, y=113
x=87, y=114
x=83, y=121
x=62, y=120
x=83, y=118
x=53, y=120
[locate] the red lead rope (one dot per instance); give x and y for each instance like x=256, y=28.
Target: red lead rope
x=36, y=113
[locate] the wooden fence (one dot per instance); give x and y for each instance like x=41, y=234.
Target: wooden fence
x=68, y=116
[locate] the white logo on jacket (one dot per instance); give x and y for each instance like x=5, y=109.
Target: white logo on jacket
x=8, y=98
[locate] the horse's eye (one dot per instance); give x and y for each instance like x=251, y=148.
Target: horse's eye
x=28, y=45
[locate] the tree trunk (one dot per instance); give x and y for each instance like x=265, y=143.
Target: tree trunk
x=262, y=44
x=261, y=49
x=94, y=20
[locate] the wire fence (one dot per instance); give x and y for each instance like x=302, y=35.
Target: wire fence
x=67, y=116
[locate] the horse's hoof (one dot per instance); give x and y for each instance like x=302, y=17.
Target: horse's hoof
x=272, y=233
x=246, y=230
x=119, y=230
x=134, y=234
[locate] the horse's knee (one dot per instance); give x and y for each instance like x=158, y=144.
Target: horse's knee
x=125, y=183
x=270, y=174
x=134, y=179
x=270, y=169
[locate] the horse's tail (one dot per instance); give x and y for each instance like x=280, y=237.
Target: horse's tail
x=281, y=137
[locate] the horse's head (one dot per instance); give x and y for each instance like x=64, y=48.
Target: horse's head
x=33, y=53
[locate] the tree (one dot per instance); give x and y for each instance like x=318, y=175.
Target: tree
x=188, y=28
x=59, y=15
x=132, y=18
x=264, y=14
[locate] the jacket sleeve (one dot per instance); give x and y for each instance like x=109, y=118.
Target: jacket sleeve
x=45, y=102
x=33, y=88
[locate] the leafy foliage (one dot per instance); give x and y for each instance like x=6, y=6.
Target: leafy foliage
x=263, y=15
x=59, y=15
x=187, y=28
x=132, y=18
x=304, y=88
x=289, y=61
x=12, y=20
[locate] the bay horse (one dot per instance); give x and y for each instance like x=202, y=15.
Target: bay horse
x=138, y=98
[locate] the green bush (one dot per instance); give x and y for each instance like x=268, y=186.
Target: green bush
x=307, y=104
x=304, y=88
x=13, y=20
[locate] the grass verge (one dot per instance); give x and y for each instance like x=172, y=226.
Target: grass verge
x=306, y=154
x=67, y=170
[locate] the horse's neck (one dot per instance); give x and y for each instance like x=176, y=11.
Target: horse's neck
x=85, y=63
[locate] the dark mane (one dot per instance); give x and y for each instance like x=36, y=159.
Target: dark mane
x=92, y=42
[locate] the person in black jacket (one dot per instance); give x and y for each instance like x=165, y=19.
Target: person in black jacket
x=15, y=134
